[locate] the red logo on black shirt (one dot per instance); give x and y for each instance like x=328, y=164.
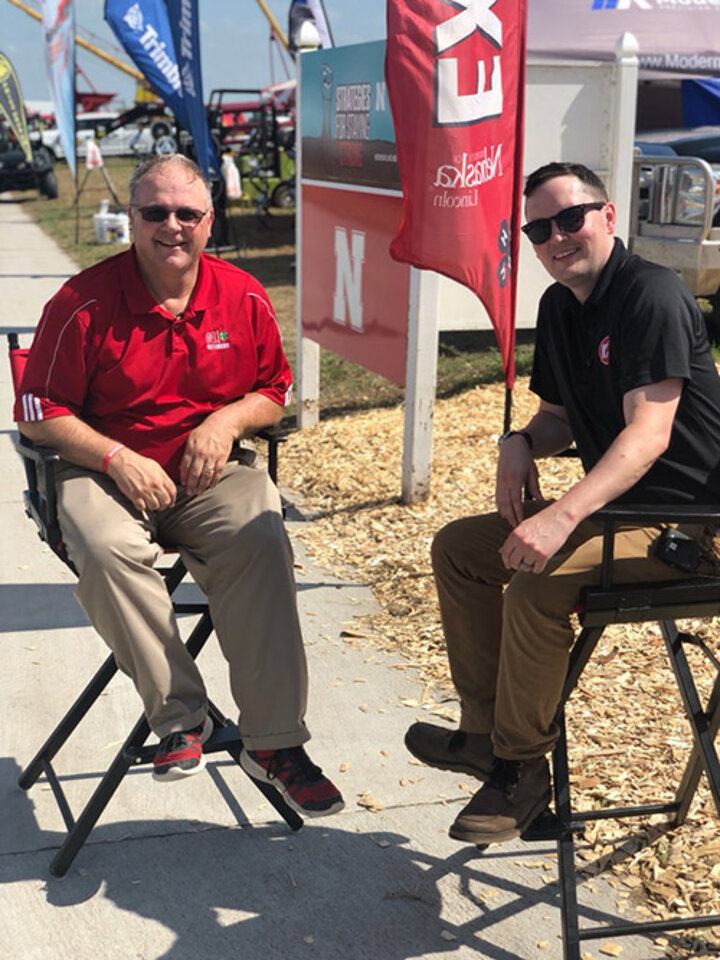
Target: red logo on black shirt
x=604, y=351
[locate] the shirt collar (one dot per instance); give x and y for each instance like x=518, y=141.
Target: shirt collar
x=607, y=274
x=141, y=301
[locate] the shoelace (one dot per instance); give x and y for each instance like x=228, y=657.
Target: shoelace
x=505, y=776
x=295, y=764
x=176, y=741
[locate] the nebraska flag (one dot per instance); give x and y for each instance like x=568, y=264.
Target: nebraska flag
x=455, y=71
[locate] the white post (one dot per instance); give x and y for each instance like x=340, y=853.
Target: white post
x=420, y=380
x=307, y=359
x=623, y=130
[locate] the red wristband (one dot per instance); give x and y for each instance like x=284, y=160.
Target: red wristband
x=110, y=455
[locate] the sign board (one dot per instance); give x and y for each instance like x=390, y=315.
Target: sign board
x=354, y=298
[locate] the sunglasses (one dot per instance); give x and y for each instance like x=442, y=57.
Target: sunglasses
x=569, y=220
x=154, y=213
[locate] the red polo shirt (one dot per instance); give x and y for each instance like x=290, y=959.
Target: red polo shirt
x=107, y=353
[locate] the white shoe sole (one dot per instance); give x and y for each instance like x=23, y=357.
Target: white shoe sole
x=178, y=773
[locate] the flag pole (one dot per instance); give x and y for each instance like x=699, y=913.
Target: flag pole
x=75, y=151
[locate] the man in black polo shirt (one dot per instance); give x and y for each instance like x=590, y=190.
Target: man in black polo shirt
x=622, y=367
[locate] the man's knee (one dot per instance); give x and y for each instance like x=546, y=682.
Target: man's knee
x=469, y=543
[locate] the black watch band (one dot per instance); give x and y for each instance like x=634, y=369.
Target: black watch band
x=517, y=433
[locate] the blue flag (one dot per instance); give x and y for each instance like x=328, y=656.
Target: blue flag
x=143, y=29
x=185, y=27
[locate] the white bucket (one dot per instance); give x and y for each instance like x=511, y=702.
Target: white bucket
x=111, y=228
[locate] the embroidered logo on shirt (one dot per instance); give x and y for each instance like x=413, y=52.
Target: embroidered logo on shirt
x=604, y=351
x=217, y=340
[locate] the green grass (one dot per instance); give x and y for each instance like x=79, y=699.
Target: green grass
x=267, y=250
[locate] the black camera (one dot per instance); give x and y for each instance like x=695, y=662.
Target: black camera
x=678, y=550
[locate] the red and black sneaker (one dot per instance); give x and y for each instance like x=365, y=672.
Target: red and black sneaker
x=303, y=785
x=180, y=755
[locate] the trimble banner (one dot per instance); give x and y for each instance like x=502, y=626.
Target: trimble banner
x=456, y=81
x=674, y=36
x=12, y=106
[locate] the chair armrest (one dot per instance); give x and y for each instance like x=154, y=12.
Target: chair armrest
x=646, y=515
x=26, y=448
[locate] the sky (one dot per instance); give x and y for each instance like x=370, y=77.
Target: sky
x=234, y=39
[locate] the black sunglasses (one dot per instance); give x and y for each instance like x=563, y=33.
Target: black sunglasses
x=569, y=220
x=154, y=213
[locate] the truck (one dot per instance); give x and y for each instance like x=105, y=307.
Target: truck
x=675, y=221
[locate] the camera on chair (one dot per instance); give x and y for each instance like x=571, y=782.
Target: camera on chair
x=678, y=550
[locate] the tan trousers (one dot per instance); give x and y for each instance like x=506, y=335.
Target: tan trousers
x=508, y=633
x=233, y=541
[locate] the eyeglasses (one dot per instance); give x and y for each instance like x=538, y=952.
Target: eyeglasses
x=569, y=220
x=154, y=213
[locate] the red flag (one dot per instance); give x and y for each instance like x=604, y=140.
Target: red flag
x=455, y=72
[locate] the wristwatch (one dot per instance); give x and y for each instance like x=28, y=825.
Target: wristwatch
x=517, y=433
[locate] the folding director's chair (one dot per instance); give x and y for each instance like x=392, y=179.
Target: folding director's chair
x=41, y=506
x=664, y=602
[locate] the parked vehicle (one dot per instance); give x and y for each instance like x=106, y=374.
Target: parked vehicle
x=259, y=131
x=122, y=140
x=675, y=221
x=18, y=173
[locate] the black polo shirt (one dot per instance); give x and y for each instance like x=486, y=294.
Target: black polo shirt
x=638, y=326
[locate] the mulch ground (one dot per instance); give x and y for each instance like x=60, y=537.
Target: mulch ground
x=629, y=738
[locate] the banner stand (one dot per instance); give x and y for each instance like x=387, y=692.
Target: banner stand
x=108, y=181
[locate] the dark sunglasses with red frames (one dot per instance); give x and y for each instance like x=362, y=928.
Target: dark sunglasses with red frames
x=154, y=213
x=569, y=220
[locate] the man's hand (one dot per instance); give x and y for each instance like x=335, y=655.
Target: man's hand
x=516, y=470
x=206, y=454
x=534, y=541
x=142, y=480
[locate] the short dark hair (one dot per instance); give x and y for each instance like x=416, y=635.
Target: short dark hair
x=552, y=170
x=158, y=161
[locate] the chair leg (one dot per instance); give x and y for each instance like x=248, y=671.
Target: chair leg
x=701, y=722
x=79, y=833
x=68, y=724
x=567, y=877
x=694, y=768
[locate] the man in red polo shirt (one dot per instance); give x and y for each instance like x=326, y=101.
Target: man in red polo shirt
x=144, y=371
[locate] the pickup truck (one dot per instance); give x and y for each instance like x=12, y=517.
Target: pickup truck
x=675, y=221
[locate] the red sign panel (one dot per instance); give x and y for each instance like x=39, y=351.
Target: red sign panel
x=356, y=304
x=455, y=74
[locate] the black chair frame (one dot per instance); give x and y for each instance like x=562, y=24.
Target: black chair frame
x=663, y=602
x=41, y=506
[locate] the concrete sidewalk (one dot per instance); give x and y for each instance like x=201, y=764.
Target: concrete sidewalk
x=205, y=869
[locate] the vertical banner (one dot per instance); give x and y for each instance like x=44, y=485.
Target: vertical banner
x=185, y=27
x=12, y=105
x=58, y=18
x=456, y=82
x=162, y=39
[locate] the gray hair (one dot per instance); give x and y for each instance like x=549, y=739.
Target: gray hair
x=159, y=162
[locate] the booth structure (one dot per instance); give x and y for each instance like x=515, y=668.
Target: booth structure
x=352, y=297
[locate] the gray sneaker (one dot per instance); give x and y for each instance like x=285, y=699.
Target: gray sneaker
x=515, y=795
x=455, y=750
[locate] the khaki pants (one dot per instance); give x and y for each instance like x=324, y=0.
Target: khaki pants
x=233, y=541
x=508, y=633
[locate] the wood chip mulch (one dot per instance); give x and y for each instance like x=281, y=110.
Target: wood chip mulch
x=629, y=740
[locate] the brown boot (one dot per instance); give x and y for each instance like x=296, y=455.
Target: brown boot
x=515, y=795
x=455, y=750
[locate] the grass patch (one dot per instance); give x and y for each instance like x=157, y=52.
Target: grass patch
x=266, y=248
